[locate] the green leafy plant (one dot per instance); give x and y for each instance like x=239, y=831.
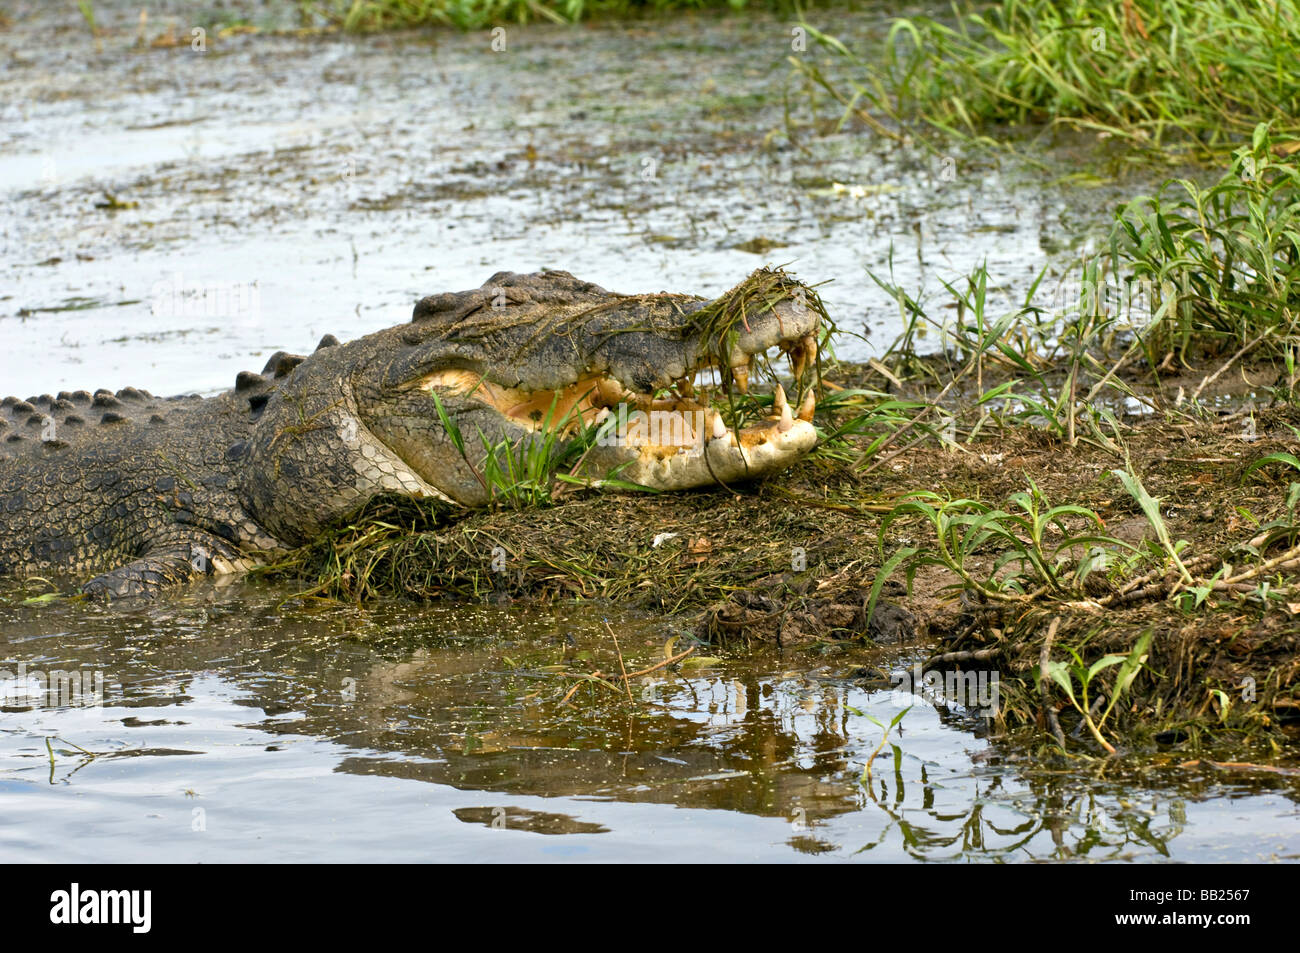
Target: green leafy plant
x=88, y=14
x=1285, y=529
x=1220, y=264
x=1151, y=510
x=1069, y=674
x=1026, y=565
x=1285, y=459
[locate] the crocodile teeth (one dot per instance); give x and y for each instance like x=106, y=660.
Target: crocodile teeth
x=803, y=356
x=807, y=406
x=608, y=392
x=740, y=374
x=719, y=428
x=779, y=402
x=787, y=421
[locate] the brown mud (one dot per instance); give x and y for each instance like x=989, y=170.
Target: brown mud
x=792, y=561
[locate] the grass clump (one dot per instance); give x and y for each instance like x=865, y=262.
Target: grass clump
x=1042, y=551
x=1168, y=78
x=1191, y=273
x=371, y=15
x=1223, y=262
x=530, y=471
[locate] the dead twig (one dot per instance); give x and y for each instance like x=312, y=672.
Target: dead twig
x=626, y=678
x=621, y=667
x=1232, y=360
x=1044, y=655
x=966, y=655
x=1242, y=766
x=666, y=662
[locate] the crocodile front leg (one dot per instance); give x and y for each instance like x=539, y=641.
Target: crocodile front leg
x=165, y=565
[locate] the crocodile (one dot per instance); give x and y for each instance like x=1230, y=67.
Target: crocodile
x=124, y=493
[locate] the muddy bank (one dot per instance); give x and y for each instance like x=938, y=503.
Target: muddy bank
x=793, y=561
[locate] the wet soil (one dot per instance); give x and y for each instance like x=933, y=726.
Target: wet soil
x=793, y=560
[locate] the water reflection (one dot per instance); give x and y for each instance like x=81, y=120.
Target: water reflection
x=234, y=703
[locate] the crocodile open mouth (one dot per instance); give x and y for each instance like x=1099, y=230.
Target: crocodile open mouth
x=686, y=415
x=651, y=389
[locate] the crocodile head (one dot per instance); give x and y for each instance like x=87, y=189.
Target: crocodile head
x=481, y=381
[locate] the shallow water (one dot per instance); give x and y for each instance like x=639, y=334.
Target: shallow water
x=320, y=185
x=284, y=187
x=235, y=727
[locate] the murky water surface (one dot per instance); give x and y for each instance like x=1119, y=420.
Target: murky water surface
x=235, y=725
x=173, y=216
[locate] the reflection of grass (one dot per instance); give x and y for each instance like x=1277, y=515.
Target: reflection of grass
x=884, y=739
x=367, y=15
